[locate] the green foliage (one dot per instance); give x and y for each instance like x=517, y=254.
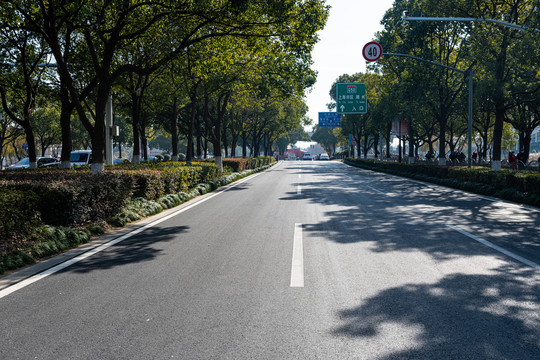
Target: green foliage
x=242, y=164
x=299, y=134
x=325, y=137
x=18, y=216
x=74, y=200
x=96, y=229
x=45, y=241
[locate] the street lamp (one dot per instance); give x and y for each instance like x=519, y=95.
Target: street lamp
x=406, y=17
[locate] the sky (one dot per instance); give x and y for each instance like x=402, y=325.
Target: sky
x=351, y=25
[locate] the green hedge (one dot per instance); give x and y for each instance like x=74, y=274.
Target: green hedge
x=242, y=164
x=18, y=216
x=74, y=198
x=73, y=202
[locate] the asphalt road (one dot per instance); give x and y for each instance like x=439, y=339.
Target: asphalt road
x=308, y=260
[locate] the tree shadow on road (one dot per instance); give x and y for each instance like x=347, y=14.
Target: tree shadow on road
x=139, y=248
x=393, y=214
x=492, y=314
x=460, y=317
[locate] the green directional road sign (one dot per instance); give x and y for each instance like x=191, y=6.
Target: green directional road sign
x=351, y=98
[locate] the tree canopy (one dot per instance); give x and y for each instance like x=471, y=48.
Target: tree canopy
x=431, y=99
x=128, y=48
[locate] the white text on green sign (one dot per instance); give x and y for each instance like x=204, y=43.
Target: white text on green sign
x=351, y=98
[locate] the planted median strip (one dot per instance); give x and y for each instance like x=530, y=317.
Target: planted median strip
x=518, y=186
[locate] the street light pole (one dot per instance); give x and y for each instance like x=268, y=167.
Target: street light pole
x=469, y=152
x=465, y=19
x=406, y=17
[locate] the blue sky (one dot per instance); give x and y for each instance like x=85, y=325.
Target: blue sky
x=352, y=24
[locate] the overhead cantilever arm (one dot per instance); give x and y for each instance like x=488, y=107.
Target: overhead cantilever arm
x=427, y=61
x=464, y=19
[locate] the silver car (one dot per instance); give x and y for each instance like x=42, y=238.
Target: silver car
x=41, y=161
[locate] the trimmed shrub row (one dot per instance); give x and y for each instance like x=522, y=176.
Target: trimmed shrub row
x=18, y=217
x=242, y=164
x=76, y=198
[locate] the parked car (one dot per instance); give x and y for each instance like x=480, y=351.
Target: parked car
x=81, y=157
x=41, y=161
x=324, y=156
x=120, y=161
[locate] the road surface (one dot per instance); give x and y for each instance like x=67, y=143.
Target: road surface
x=308, y=260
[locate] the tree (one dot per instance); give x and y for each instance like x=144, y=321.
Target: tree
x=440, y=42
x=21, y=78
x=8, y=132
x=499, y=51
x=325, y=137
x=46, y=127
x=283, y=142
x=87, y=40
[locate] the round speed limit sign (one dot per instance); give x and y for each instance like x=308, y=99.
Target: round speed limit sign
x=372, y=51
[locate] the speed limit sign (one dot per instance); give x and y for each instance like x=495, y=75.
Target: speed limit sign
x=372, y=51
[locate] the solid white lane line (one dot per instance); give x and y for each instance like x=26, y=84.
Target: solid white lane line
x=297, y=268
x=497, y=248
x=54, y=269
x=298, y=189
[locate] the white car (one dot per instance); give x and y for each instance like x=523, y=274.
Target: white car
x=324, y=156
x=81, y=157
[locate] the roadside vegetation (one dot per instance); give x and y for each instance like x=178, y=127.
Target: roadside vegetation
x=45, y=212
x=518, y=186
x=194, y=77
x=426, y=106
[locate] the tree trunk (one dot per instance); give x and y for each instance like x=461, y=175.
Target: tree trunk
x=189, y=150
x=442, y=142
x=31, y=142
x=174, y=130
x=199, y=142
x=526, y=149
x=65, y=126
x=135, y=120
x=244, y=144
x=411, y=143
x=499, y=103
x=98, y=133
x=224, y=140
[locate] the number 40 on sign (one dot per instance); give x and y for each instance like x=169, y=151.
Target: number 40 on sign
x=372, y=51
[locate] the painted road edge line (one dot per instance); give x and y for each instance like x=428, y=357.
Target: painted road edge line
x=297, y=268
x=32, y=279
x=497, y=248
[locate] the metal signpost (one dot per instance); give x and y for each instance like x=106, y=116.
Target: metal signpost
x=329, y=119
x=351, y=98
